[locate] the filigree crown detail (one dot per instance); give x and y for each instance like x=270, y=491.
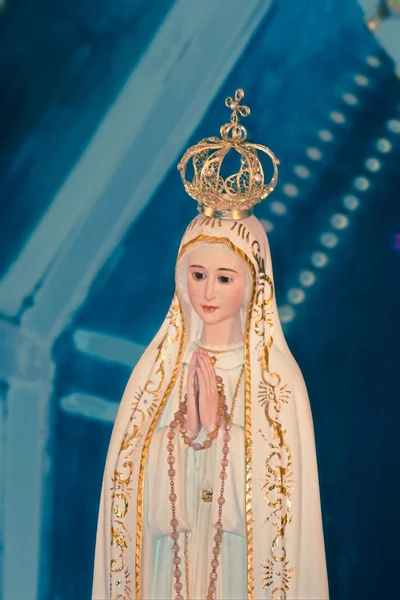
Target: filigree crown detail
x=234, y=196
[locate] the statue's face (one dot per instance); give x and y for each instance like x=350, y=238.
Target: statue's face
x=216, y=281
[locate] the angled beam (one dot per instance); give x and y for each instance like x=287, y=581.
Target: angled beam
x=185, y=65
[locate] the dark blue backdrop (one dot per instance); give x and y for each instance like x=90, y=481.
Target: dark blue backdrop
x=325, y=98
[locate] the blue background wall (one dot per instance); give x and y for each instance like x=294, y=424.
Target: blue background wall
x=98, y=101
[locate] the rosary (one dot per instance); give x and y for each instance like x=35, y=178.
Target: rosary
x=224, y=420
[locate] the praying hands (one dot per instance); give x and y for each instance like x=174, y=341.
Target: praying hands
x=202, y=396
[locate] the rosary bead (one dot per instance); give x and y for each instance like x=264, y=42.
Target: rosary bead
x=178, y=586
x=217, y=537
x=175, y=536
x=197, y=446
x=225, y=450
x=174, y=522
x=224, y=462
x=172, y=497
x=176, y=560
x=223, y=475
x=170, y=460
x=207, y=444
x=171, y=435
x=170, y=447
x=215, y=563
x=175, y=547
x=226, y=437
x=171, y=472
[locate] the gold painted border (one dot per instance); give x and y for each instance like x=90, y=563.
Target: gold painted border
x=248, y=432
x=143, y=460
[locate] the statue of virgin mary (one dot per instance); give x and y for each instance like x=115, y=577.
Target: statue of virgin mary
x=210, y=488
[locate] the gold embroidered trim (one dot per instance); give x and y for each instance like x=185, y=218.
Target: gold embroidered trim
x=143, y=459
x=187, y=565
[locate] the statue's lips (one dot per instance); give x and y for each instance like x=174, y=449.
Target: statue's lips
x=209, y=308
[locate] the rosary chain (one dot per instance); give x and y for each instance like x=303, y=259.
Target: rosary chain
x=186, y=546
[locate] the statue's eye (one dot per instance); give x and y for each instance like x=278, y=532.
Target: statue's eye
x=224, y=279
x=198, y=275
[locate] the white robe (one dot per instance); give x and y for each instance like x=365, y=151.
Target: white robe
x=197, y=471
x=284, y=545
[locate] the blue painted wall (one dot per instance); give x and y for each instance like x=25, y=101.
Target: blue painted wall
x=325, y=98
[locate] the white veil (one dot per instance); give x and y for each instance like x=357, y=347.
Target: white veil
x=285, y=546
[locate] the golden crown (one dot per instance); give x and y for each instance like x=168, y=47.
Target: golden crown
x=235, y=196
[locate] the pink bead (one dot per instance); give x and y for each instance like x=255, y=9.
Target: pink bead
x=171, y=472
x=224, y=462
x=170, y=447
x=172, y=497
x=183, y=430
x=176, y=560
x=225, y=450
x=175, y=536
x=217, y=537
x=177, y=573
x=174, y=424
x=215, y=563
x=219, y=422
x=211, y=589
x=175, y=547
x=178, y=586
x=170, y=460
x=182, y=420
x=207, y=444
x=222, y=475
x=174, y=522
x=221, y=500
x=197, y=446
x=226, y=437
x=227, y=426
x=182, y=406
x=216, y=550
x=213, y=576
x=218, y=524
x=171, y=435
x=213, y=435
